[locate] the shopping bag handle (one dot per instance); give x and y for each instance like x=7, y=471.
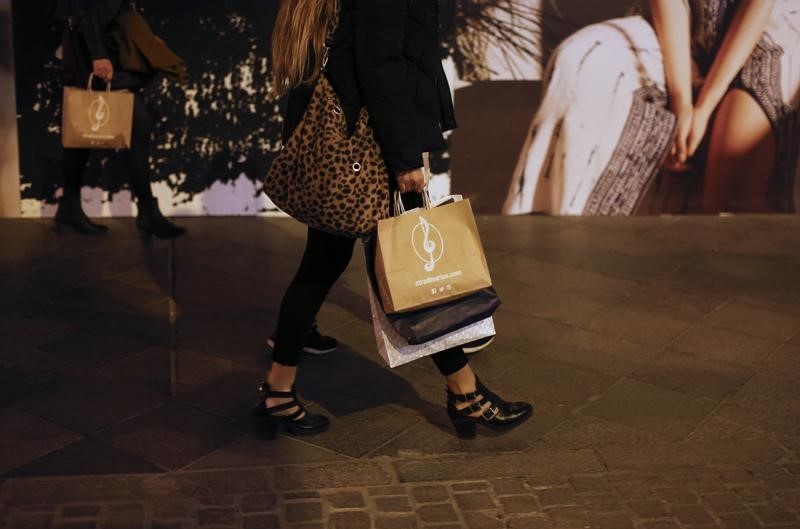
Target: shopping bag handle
x=89, y=84
x=399, y=207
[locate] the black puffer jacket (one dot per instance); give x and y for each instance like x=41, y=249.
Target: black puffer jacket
x=385, y=55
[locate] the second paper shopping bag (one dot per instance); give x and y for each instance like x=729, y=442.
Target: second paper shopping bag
x=428, y=256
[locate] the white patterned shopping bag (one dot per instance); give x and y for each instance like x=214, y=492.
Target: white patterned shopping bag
x=396, y=351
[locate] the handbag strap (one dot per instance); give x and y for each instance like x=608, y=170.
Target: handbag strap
x=333, y=23
x=325, y=57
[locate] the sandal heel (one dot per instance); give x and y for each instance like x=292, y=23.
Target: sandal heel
x=267, y=428
x=465, y=429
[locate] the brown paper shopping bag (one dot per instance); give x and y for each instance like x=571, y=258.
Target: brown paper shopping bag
x=428, y=256
x=96, y=120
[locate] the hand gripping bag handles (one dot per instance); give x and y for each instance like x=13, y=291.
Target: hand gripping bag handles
x=429, y=256
x=96, y=120
x=326, y=178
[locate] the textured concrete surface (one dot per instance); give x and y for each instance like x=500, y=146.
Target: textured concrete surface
x=661, y=354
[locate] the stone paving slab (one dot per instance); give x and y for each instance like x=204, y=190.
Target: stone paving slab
x=499, y=465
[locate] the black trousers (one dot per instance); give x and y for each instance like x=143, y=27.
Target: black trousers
x=325, y=259
x=75, y=160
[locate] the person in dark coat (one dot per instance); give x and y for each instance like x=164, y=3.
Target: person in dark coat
x=383, y=55
x=93, y=30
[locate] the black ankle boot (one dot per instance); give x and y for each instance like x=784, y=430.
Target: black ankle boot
x=70, y=213
x=498, y=414
x=269, y=422
x=151, y=222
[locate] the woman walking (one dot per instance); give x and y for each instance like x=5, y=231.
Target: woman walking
x=108, y=38
x=626, y=96
x=385, y=56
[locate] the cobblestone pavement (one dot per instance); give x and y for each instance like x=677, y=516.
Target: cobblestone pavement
x=661, y=354
x=385, y=495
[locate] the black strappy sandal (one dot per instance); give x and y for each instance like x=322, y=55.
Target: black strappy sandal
x=496, y=414
x=268, y=423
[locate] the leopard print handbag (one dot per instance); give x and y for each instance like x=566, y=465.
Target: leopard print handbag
x=326, y=178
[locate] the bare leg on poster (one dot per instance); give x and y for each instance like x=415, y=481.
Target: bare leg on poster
x=741, y=157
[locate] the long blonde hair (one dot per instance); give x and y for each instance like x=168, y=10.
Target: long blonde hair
x=298, y=41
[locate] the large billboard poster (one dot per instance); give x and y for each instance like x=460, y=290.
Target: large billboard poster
x=562, y=105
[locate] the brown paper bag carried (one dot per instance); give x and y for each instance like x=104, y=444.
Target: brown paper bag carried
x=428, y=256
x=96, y=120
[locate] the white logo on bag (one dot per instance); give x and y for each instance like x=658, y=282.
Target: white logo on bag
x=427, y=237
x=99, y=113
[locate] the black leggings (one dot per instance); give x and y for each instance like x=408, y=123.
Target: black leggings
x=75, y=160
x=325, y=259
